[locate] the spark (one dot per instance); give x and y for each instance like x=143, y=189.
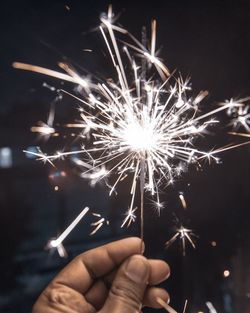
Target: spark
x=46, y=129
x=57, y=243
x=210, y=307
x=183, y=200
x=43, y=129
x=95, y=176
x=144, y=128
x=226, y=273
x=158, y=206
x=67, y=7
x=213, y=243
x=239, y=134
x=184, y=234
x=130, y=217
x=239, y=111
x=99, y=223
x=73, y=77
x=185, y=306
x=40, y=156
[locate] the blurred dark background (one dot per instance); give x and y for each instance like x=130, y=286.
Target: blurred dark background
x=209, y=40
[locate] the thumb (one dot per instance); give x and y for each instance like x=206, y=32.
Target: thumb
x=128, y=287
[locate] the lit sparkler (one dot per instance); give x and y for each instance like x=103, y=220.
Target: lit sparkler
x=57, y=243
x=142, y=123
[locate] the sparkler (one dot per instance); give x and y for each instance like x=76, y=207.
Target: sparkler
x=141, y=124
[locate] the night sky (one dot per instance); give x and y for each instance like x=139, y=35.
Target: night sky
x=207, y=40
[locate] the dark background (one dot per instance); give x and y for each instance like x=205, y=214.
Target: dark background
x=206, y=39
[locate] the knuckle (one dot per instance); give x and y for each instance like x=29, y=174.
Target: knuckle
x=55, y=295
x=61, y=297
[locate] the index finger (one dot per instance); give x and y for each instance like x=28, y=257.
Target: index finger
x=80, y=273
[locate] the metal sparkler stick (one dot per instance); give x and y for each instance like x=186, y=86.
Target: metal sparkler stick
x=142, y=186
x=142, y=162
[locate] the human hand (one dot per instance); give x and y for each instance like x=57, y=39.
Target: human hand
x=109, y=279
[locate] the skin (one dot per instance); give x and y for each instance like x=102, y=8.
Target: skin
x=109, y=279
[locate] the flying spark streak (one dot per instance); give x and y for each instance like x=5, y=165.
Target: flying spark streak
x=183, y=200
x=99, y=223
x=239, y=134
x=184, y=234
x=57, y=243
x=47, y=129
x=95, y=176
x=211, y=307
x=38, y=69
x=142, y=123
x=130, y=217
x=43, y=129
x=158, y=206
x=185, y=306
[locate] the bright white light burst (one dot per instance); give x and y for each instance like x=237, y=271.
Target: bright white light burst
x=142, y=123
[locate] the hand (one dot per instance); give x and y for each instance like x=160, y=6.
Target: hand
x=110, y=279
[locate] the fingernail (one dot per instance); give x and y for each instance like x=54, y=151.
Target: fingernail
x=143, y=247
x=137, y=270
